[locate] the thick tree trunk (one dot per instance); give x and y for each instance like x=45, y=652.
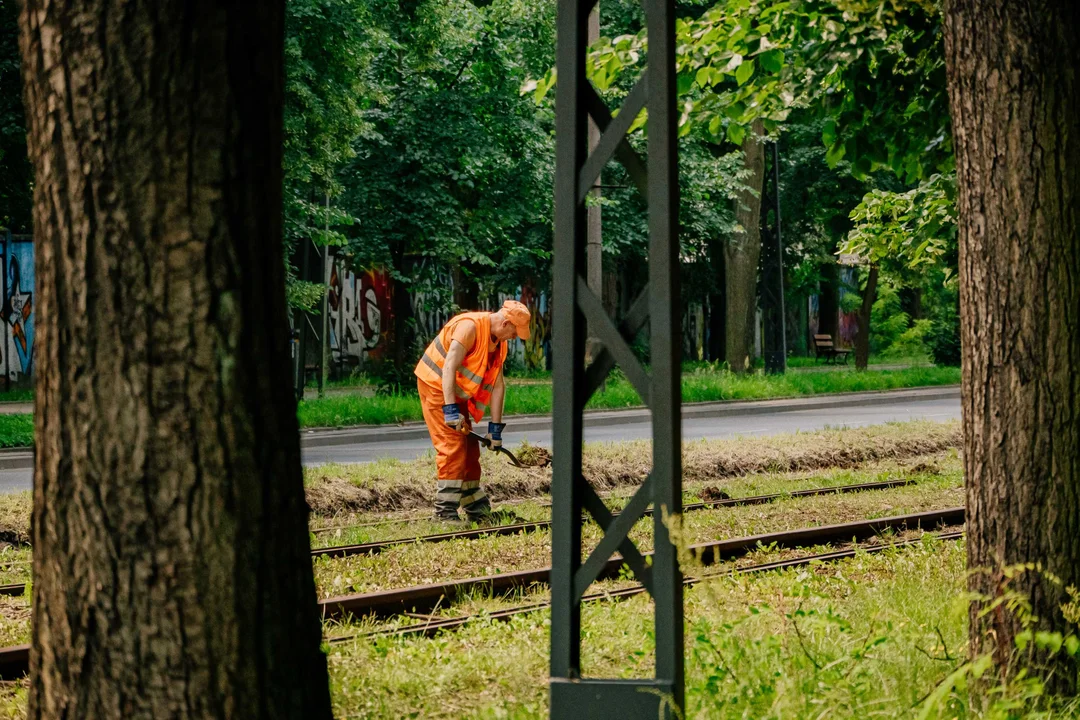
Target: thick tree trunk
x=717, y=320
x=743, y=252
x=862, y=336
x=1015, y=100
x=172, y=576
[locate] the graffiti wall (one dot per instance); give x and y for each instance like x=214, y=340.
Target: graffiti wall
x=360, y=314
x=17, y=310
x=848, y=324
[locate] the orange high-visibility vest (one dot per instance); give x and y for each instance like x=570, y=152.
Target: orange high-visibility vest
x=479, y=370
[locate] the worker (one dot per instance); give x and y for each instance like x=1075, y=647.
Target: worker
x=459, y=378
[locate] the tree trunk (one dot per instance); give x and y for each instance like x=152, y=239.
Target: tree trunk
x=717, y=301
x=743, y=252
x=862, y=336
x=172, y=576
x=1015, y=101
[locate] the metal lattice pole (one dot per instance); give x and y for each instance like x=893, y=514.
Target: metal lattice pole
x=575, y=305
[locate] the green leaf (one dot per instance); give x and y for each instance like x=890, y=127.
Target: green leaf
x=715, y=125
x=744, y=72
x=1022, y=640
x=1072, y=645
x=772, y=60
x=828, y=133
x=835, y=154
x=1048, y=641
x=703, y=76
x=735, y=110
x=736, y=133
x=684, y=82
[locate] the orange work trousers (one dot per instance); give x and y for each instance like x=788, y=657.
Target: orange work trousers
x=457, y=456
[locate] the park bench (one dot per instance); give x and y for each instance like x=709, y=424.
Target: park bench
x=826, y=350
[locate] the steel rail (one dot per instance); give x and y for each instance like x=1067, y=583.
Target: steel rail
x=376, y=547
x=15, y=661
x=436, y=625
x=424, y=598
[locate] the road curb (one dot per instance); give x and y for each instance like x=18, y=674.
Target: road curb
x=23, y=459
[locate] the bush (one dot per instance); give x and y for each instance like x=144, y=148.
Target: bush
x=912, y=342
x=888, y=322
x=943, y=338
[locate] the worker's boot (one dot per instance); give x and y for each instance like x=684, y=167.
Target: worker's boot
x=475, y=501
x=447, y=501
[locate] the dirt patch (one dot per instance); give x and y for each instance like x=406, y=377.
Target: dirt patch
x=711, y=493
x=534, y=456
x=397, y=486
x=331, y=496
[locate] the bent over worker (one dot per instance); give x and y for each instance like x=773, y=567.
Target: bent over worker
x=459, y=378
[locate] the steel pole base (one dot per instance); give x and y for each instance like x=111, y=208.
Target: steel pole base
x=775, y=363
x=604, y=699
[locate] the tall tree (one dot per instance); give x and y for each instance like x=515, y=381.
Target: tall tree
x=1015, y=99
x=742, y=254
x=172, y=575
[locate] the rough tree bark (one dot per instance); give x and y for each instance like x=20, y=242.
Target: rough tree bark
x=172, y=576
x=717, y=301
x=1015, y=100
x=742, y=255
x=862, y=336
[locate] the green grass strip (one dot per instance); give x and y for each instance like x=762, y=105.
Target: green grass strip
x=700, y=386
x=16, y=431
x=535, y=399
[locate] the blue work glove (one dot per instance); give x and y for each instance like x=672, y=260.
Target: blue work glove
x=453, y=417
x=495, y=434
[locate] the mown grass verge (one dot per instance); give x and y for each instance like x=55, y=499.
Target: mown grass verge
x=703, y=385
x=337, y=493
x=392, y=485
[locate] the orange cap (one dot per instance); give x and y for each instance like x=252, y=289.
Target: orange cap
x=519, y=316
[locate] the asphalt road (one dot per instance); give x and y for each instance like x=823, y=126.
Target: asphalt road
x=770, y=423
x=698, y=429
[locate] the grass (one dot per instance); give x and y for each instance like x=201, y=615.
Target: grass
x=423, y=563
x=391, y=490
x=397, y=485
x=703, y=384
x=17, y=395
x=871, y=636
x=744, y=658
x=16, y=431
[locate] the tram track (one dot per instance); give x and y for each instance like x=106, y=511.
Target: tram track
x=14, y=661
x=378, y=546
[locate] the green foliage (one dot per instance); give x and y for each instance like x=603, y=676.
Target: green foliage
x=874, y=71
x=456, y=169
x=1011, y=682
x=916, y=228
x=887, y=320
x=943, y=337
x=329, y=49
